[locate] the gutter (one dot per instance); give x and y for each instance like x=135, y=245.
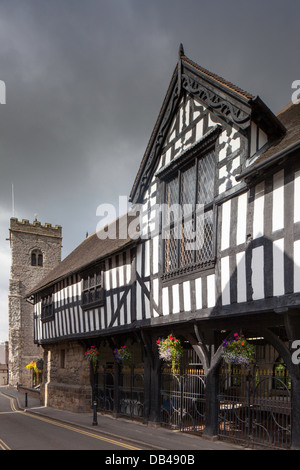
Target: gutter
x=269, y=161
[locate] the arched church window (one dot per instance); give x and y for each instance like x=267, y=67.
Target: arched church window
x=36, y=258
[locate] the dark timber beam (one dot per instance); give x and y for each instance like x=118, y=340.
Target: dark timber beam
x=210, y=364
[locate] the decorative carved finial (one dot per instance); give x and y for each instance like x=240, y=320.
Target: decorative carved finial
x=179, y=66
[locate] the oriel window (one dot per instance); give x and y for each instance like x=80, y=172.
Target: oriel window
x=188, y=222
x=47, y=307
x=92, y=289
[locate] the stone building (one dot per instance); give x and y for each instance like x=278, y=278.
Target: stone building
x=35, y=250
x=4, y=363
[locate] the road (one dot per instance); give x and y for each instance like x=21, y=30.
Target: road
x=24, y=431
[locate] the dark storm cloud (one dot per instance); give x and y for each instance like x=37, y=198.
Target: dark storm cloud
x=85, y=81
x=75, y=77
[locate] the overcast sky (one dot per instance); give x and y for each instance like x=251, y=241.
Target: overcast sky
x=85, y=80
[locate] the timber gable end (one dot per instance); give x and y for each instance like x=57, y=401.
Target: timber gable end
x=253, y=261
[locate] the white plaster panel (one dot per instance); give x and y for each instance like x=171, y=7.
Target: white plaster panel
x=258, y=273
x=278, y=201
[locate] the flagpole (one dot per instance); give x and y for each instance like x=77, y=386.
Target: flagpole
x=13, y=199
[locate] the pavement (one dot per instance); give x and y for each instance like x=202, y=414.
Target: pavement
x=144, y=436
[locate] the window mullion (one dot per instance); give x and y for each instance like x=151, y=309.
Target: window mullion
x=179, y=222
x=195, y=210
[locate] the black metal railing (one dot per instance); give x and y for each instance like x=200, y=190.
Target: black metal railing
x=106, y=388
x=131, y=391
x=121, y=389
x=183, y=399
x=255, y=405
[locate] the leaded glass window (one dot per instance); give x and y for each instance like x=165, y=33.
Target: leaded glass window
x=188, y=224
x=47, y=311
x=92, y=289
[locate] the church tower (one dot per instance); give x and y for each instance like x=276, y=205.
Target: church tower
x=35, y=250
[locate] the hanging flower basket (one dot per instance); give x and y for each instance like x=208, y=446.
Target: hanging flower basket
x=93, y=355
x=237, y=350
x=122, y=354
x=170, y=350
x=34, y=365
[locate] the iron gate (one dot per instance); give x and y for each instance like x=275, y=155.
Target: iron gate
x=106, y=387
x=255, y=405
x=131, y=391
x=183, y=399
x=121, y=389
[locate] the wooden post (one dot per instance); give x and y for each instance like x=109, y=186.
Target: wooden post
x=117, y=372
x=212, y=409
x=155, y=398
x=147, y=386
x=152, y=379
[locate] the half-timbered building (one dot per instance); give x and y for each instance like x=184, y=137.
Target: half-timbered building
x=216, y=251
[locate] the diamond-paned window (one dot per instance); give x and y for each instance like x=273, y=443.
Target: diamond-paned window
x=204, y=238
x=188, y=225
x=172, y=192
x=92, y=290
x=47, y=311
x=171, y=250
x=188, y=187
x=206, y=175
x=187, y=245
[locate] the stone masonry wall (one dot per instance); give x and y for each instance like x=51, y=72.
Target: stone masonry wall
x=25, y=237
x=66, y=378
